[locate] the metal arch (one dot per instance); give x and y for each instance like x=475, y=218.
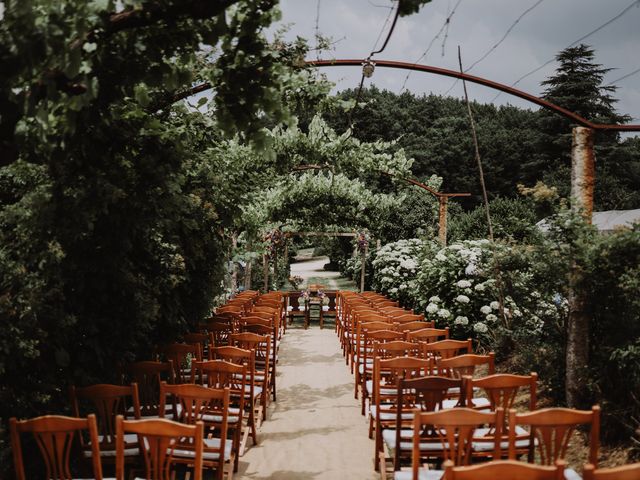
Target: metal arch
x=481, y=81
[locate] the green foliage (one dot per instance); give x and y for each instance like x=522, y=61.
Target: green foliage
x=513, y=219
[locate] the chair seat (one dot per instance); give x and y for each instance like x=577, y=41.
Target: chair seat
x=406, y=441
x=130, y=440
x=233, y=417
x=257, y=391
x=208, y=443
x=504, y=445
x=384, y=416
x=479, y=402
x=423, y=474
x=368, y=386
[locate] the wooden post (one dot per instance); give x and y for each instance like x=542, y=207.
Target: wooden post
x=362, y=269
x=275, y=267
x=265, y=268
x=248, y=269
x=442, y=220
x=582, y=186
x=378, y=244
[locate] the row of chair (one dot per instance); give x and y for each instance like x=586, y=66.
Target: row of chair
x=425, y=409
x=194, y=404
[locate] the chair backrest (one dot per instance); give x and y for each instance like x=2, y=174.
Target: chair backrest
x=238, y=309
x=406, y=317
x=158, y=439
x=551, y=430
x=387, y=372
x=465, y=365
x=394, y=348
x=331, y=305
x=257, y=320
x=106, y=401
x=54, y=435
x=201, y=339
x=148, y=375
x=413, y=326
x=428, y=335
x=503, y=470
x=197, y=402
x=502, y=388
x=423, y=393
x=260, y=344
x=182, y=354
x=455, y=428
x=625, y=472
x=219, y=334
x=221, y=374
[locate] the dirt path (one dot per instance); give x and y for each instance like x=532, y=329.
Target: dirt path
x=314, y=430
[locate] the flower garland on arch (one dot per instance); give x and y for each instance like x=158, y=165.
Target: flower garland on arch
x=362, y=241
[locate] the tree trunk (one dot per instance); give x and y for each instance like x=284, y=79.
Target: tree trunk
x=577, y=354
x=442, y=220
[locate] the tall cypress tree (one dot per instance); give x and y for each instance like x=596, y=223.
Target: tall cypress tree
x=577, y=85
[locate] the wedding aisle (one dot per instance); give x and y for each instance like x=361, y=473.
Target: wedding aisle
x=315, y=430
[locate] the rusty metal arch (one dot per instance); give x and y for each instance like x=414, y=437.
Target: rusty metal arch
x=481, y=81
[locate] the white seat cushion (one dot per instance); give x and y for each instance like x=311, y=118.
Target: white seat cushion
x=406, y=441
x=233, y=417
x=423, y=474
x=210, y=443
x=129, y=438
x=385, y=416
x=504, y=445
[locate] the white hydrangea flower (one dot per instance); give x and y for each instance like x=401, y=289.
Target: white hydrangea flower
x=491, y=317
x=432, y=308
x=481, y=327
x=486, y=309
x=462, y=299
x=441, y=257
x=517, y=313
x=444, y=313
x=471, y=269
x=455, y=246
x=393, y=290
x=460, y=320
x=463, y=284
x=435, y=299
x=495, y=305
x=409, y=264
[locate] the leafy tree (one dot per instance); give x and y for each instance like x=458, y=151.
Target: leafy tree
x=577, y=85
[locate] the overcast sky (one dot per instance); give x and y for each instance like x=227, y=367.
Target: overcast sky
x=476, y=26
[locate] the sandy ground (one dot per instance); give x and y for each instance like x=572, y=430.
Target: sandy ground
x=314, y=430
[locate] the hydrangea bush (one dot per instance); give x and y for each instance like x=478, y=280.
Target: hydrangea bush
x=395, y=269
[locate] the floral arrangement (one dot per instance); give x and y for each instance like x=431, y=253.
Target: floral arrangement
x=275, y=239
x=362, y=241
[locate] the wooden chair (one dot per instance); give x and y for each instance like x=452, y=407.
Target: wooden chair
x=501, y=390
x=358, y=342
x=426, y=394
x=182, y=354
x=197, y=401
x=219, y=374
x=252, y=393
x=551, y=430
x=159, y=438
x=382, y=412
x=368, y=334
x=294, y=309
x=107, y=401
x=55, y=436
x=453, y=435
x=261, y=329
x=625, y=472
x=261, y=345
x=148, y=375
x=406, y=317
x=446, y=348
x=465, y=365
x=198, y=338
x=219, y=334
x=503, y=470
x=329, y=310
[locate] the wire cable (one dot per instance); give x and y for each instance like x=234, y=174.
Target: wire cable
x=374, y=52
x=493, y=48
x=433, y=40
x=630, y=74
x=584, y=37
